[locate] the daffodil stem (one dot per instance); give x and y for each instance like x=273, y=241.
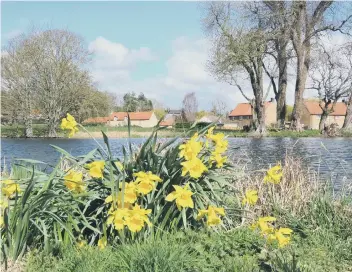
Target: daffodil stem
x=94, y=139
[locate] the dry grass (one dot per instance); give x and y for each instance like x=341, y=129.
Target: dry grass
x=299, y=186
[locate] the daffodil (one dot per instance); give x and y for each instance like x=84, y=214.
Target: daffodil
x=74, y=181
x=96, y=169
x=182, y=196
x=137, y=217
x=212, y=215
x=220, y=160
x=251, y=197
x=273, y=175
x=194, y=167
x=9, y=188
x=102, y=242
x=263, y=224
x=146, y=182
x=191, y=148
x=69, y=123
x=81, y=243
x=118, y=218
x=283, y=236
x=129, y=196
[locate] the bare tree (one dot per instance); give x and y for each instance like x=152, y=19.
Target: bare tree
x=58, y=57
x=219, y=107
x=347, y=124
x=307, y=23
x=331, y=76
x=190, y=106
x=238, y=50
x=17, y=72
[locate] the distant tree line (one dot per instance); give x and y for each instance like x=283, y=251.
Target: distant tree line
x=44, y=77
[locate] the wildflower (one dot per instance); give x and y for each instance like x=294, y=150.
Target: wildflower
x=273, y=175
x=137, y=217
x=283, y=236
x=195, y=167
x=191, y=148
x=183, y=197
x=96, y=169
x=118, y=217
x=102, y=242
x=251, y=197
x=81, y=243
x=212, y=213
x=129, y=196
x=9, y=188
x=74, y=181
x=69, y=123
x=146, y=182
x=262, y=223
x=216, y=157
x=119, y=165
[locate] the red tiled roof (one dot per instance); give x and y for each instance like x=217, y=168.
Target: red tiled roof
x=96, y=120
x=244, y=109
x=142, y=115
x=168, y=122
x=314, y=108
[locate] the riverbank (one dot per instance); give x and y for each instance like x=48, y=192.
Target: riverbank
x=39, y=131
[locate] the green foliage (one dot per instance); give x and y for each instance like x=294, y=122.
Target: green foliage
x=132, y=103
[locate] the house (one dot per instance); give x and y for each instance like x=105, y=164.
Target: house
x=168, y=122
x=97, y=120
x=208, y=119
x=141, y=119
x=312, y=111
x=243, y=114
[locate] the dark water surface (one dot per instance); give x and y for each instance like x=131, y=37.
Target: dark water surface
x=332, y=157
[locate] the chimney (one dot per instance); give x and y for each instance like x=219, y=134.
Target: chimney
x=343, y=101
x=271, y=100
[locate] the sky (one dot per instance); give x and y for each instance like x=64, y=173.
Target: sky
x=158, y=48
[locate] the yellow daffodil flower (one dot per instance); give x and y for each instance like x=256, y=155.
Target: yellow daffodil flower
x=81, y=243
x=130, y=194
x=146, y=182
x=137, y=217
x=212, y=215
x=69, y=123
x=251, y=197
x=191, y=148
x=283, y=236
x=273, y=175
x=118, y=218
x=194, y=167
x=96, y=169
x=74, y=182
x=9, y=188
x=102, y=242
x=220, y=160
x=262, y=223
x=183, y=197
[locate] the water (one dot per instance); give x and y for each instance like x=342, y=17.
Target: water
x=332, y=157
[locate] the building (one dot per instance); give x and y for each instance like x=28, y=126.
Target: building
x=312, y=113
x=208, y=119
x=169, y=121
x=97, y=120
x=243, y=114
x=141, y=119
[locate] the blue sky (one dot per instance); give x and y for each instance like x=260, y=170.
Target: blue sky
x=157, y=48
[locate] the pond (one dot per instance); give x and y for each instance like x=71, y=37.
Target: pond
x=332, y=157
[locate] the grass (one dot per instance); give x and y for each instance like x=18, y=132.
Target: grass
x=320, y=218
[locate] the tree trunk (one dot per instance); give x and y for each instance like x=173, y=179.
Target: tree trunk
x=323, y=118
x=347, y=124
x=282, y=84
x=28, y=127
x=52, y=128
x=303, y=60
x=260, y=112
